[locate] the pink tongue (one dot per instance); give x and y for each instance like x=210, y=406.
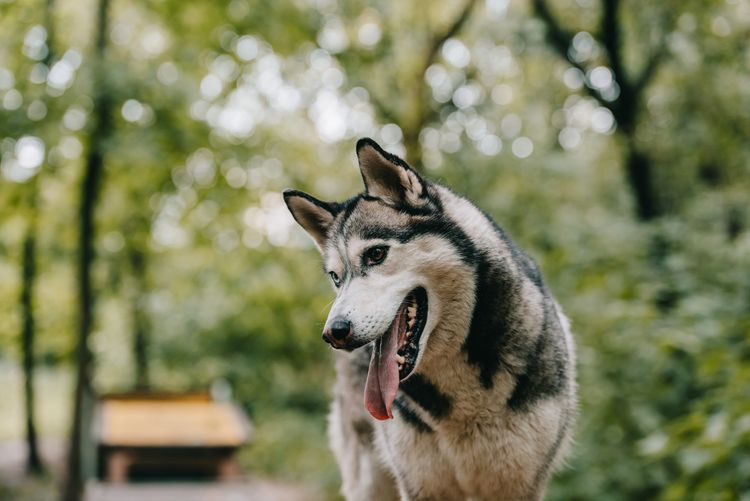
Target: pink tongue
x=382, y=377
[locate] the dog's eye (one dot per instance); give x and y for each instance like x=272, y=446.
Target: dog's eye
x=375, y=255
x=335, y=278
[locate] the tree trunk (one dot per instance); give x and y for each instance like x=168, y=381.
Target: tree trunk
x=413, y=146
x=639, y=169
x=140, y=323
x=89, y=192
x=90, y=185
x=28, y=277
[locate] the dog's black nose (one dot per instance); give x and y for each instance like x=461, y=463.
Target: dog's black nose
x=340, y=329
x=338, y=333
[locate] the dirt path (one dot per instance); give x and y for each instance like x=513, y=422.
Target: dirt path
x=13, y=457
x=13, y=480
x=260, y=490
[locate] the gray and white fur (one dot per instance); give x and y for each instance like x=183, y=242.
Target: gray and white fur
x=488, y=411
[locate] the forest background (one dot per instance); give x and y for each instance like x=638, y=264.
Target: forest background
x=144, y=242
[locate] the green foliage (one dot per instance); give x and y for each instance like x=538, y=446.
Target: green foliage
x=221, y=105
x=293, y=445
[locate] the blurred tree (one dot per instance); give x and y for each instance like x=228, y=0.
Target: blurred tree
x=413, y=108
x=217, y=106
x=623, y=94
x=29, y=276
x=137, y=258
x=89, y=191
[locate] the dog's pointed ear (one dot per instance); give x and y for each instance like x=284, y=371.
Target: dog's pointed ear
x=314, y=215
x=387, y=176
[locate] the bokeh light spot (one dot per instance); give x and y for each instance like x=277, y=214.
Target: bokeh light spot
x=246, y=48
x=61, y=75
x=37, y=110
x=573, y=78
x=456, y=53
x=569, y=138
x=167, y=73
x=602, y=120
x=132, y=110
x=29, y=152
x=601, y=77
x=211, y=87
x=369, y=34
x=12, y=100
x=7, y=79
x=391, y=134
x=490, y=145
x=522, y=147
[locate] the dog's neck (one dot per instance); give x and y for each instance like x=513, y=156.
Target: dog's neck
x=481, y=307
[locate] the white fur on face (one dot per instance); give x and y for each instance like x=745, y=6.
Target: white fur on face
x=370, y=298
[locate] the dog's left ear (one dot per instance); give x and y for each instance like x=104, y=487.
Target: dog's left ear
x=387, y=176
x=314, y=215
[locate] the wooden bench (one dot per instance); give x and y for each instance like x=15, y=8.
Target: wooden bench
x=163, y=435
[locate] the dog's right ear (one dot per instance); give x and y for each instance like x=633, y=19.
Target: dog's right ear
x=314, y=215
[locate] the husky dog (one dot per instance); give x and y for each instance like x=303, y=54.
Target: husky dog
x=455, y=365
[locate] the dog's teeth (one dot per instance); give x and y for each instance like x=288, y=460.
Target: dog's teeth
x=411, y=310
x=400, y=359
x=411, y=322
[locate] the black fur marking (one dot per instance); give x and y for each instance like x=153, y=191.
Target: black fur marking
x=442, y=227
x=430, y=207
x=411, y=417
x=426, y=395
x=349, y=207
x=528, y=265
x=545, y=366
x=346, y=209
x=490, y=324
x=422, y=210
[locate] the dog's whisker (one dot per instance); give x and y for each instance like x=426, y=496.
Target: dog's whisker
x=327, y=306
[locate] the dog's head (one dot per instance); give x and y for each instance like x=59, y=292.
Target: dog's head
x=385, y=253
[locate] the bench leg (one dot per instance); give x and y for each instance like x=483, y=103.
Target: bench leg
x=228, y=470
x=118, y=465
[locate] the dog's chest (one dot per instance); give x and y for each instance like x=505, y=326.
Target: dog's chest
x=448, y=462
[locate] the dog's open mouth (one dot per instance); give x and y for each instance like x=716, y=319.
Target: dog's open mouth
x=394, y=354
x=415, y=316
